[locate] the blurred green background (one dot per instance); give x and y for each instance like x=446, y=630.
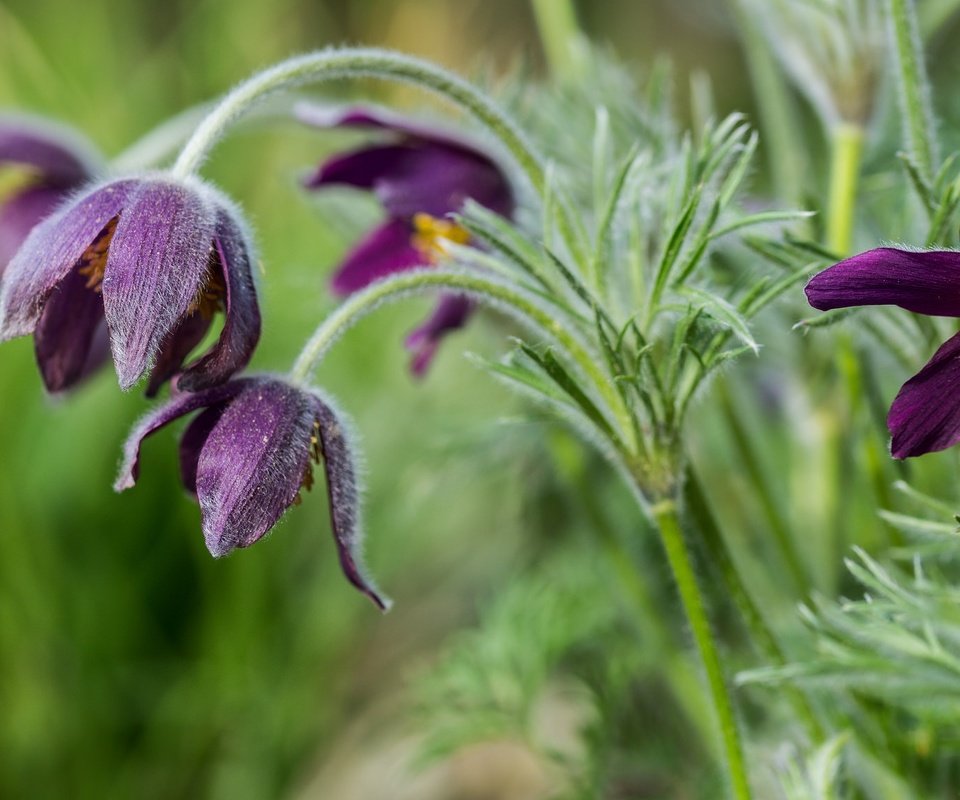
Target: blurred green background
x=131, y=663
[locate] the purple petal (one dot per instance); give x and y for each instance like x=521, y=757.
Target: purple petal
x=20, y=213
x=429, y=170
x=253, y=463
x=176, y=407
x=369, y=117
x=175, y=348
x=359, y=168
x=925, y=416
x=60, y=156
x=451, y=313
x=383, y=251
x=241, y=329
x=438, y=180
x=156, y=264
x=64, y=335
x=926, y=283
x=51, y=250
x=343, y=494
x=192, y=442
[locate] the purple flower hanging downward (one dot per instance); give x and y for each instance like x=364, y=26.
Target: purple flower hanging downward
x=925, y=416
x=154, y=258
x=55, y=164
x=248, y=454
x=421, y=177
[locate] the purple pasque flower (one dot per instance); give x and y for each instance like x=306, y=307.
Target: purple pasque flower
x=421, y=176
x=154, y=258
x=248, y=453
x=54, y=163
x=925, y=416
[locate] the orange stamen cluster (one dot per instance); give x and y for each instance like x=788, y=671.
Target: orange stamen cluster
x=430, y=236
x=211, y=294
x=93, y=262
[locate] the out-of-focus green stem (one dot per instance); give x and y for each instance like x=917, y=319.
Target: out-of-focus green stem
x=934, y=14
x=668, y=524
x=778, y=117
x=911, y=76
x=758, y=482
x=698, y=508
x=846, y=151
x=560, y=35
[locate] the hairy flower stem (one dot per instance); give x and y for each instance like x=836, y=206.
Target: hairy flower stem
x=668, y=524
x=525, y=307
x=338, y=64
x=846, y=147
x=913, y=87
x=679, y=675
x=560, y=35
x=701, y=514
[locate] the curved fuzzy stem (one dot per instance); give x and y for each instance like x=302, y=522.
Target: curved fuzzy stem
x=521, y=304
x=334, y=64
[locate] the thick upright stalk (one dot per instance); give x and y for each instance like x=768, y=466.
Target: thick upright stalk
x=846, y=151
x=698, y=508
x=668, y=524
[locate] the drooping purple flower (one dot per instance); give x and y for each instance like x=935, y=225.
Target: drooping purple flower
x=153, y=257
x=54, y=162
x=421, y=176
x=925, y=416
x=248, y=454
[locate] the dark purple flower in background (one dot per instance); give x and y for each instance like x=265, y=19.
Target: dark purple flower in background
x=153, y=258
x=54, y=164
x=248, y=454
x=421, y=176
x=925, y=416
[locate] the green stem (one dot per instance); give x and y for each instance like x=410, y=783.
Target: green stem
x=698, y=507
x=678, y=674
x=668, y=524
x=771, y=509
x=526, y=307
x=934, y=14
x=847, y=150
x=560, y=35
x=372, y=63
x=911, y=76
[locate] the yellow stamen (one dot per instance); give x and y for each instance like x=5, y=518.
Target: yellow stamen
x=315, y=455
x=431, y=235
x=94, y=259
x=212, y=293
